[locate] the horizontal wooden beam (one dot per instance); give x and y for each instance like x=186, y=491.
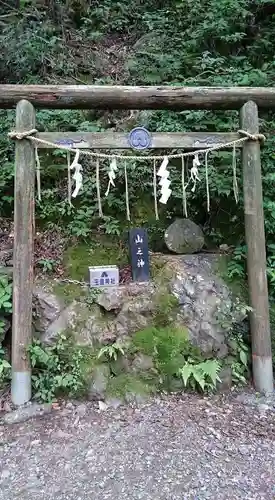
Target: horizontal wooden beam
x=126, y=97
x=119, y=140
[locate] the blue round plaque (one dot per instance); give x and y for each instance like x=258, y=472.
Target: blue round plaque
x=140, y=138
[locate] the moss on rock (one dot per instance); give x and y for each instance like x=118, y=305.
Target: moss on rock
x=70, y=291
x=161, y=270
x=168, y=346
x=99, y=252
x=165, y=305
x=127, y=386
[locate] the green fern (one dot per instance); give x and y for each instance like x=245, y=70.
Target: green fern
x=211, y=368
x=202, y=375
x=112, y=351
x=185, y=372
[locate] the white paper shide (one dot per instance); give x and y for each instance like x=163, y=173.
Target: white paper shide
x=164, y=181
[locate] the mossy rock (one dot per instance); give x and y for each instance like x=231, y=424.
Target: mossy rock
x=165, y=306
x=70, y=291
x=99, y=252
x=162, y=270
x=126, y=385
x=120, y=365
x=168, y=346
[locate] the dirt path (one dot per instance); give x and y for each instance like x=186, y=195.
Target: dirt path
x=170, y=449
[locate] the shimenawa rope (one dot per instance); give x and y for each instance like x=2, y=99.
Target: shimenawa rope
x=30, y=135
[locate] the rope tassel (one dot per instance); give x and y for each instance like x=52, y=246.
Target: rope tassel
x=184, y=203
x=38, y=173
x=155, y=191
x=207, y=182
x=127, y=192
x=100, y=212
x=69, y=177
x=235, y=181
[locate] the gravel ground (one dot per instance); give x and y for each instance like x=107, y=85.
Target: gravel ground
x=170, y=448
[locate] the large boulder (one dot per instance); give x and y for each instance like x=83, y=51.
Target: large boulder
x=183, y=236
x=204, y=305
x=205, y=302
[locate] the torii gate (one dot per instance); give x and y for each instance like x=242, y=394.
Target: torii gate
x=245, y=99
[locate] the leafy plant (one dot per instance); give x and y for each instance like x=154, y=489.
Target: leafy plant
x=111, y=225
x=2, y=327
x=202, y=376
x=47, y=265
x=228, y=314
x=5, y=310
x=165, y=304
x=112, y=351
x=5, y=295
x=236, y=265
x=81, y=226
x=270, y=270
x=2, y=330
x=5, y=367
x=240, y=363
x=57, y=369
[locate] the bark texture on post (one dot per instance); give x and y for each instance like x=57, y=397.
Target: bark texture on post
x=256, y=253
x=23, y=255
x=126, y=97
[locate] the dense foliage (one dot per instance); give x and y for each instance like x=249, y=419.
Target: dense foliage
x=180, y=42
x=58, y=369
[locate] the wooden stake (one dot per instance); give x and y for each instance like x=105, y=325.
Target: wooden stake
x=23, y=256
x=256, y=253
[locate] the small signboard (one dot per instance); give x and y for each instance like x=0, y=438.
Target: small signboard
x=139, y=254
x=103, y=276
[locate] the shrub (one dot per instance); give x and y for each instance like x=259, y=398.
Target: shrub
x=57, y=370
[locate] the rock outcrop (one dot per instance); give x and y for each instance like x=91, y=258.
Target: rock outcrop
x=203, y=301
